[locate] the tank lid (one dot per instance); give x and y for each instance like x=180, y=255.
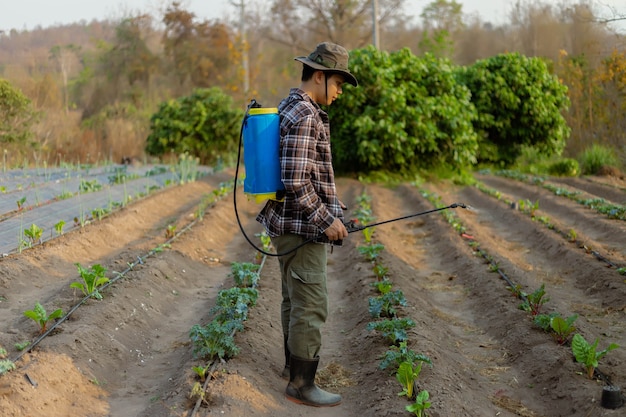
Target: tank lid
x=263, y=110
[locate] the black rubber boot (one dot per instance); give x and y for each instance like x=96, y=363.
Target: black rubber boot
x=285, y=373
x=302, y=388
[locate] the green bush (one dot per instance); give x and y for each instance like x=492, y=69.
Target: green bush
x=566, y=167
x=594, y=158
x=408, y=113
x=205, y=124
x=519, y=103
x=16, y=115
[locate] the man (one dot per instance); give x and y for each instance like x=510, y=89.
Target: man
x=310, y=209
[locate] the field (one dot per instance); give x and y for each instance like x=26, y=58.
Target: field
x=462, y=274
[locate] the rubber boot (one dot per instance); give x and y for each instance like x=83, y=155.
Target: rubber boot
x=285, y=373
x=302, y=389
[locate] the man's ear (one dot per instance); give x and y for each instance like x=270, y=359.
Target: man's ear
x=318, y=77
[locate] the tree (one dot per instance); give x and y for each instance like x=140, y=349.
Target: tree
x=407, y=114
x=16, y=115
x=65, y=57
x=441, y=19
x=520, y=103
x=205, y=124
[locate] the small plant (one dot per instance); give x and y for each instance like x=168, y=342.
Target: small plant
x=571, y=235
x=368, y=232
x=33, y=233
x=535, y=301
x=170, y=231
x=215, y=339
x=201, y=371
x=20, y=203
x=563, y=328
x=383, y=286
x=392, y=330
x=245, y=274
x=99, y=213
x=22, y=345
x=380, y=271
x=420, y=405
x=89, y=186
x=385, y=305
x=58, y=228
x=93, y=277
x=371, y=252
x=586, y=354
x=198, y=392
x=401, y=353
x=3, y=353
x=41, y=317
x=407, y=375
x=233, y=304
x=6, y=366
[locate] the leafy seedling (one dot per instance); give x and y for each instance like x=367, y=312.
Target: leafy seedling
x=382, y=286
x=563, y=328
x=6, y=366
x=385, y=305
x=170, y=231
x=380, y=271
x=420, y=405
x=93, y=277
x=215, y=339
x=535, y=301
x=371, y=252
x=201, y=371
x=586, y=353
x=22, y=345
x=245, y=274
x=392, y=330
x=58, y=228
x=407, y=375
x=20, y=203
x=401, y=353
x=41, y=317
x=33, y=233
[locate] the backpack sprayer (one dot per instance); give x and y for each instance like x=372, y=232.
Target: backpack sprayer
x=260, y=134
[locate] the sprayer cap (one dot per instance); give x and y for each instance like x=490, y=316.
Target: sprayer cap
x=263, y=110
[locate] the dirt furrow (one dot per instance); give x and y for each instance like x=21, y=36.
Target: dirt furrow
x=608, y=236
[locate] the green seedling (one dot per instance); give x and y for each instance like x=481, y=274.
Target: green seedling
x=99, y=213
x=266, y=241
x=3, y=353
x=89, y=186
x=233, y=304
x=535, y=301
x=170, y=231
x=571, y=235
x=368, y=232
x=563, y=328
x=41, y=317
x=201, y=371
x=215, y=339
x=371, y=252
x=93, y=277
x=383, y=286
x=245, y=274
x=6, y=366
x=420, y=405
x=385, y=305
x=401, y=353
x=58, y=228
x=33, y=233
x=380, y=271
x=395, y=331
x=586, y=353
x=22, y=345
x=407, y=375
x=20, y=203
x=621, y=271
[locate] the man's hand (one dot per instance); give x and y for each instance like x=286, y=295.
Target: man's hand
x=336, y=231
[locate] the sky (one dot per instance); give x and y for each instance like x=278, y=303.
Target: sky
x=28, y=14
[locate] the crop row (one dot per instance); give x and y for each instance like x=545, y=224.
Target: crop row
x=93, y=281
x=559, y=327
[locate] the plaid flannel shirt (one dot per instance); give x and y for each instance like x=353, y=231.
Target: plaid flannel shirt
x=311, y=204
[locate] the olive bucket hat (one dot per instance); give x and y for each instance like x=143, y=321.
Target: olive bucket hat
x=329, y=57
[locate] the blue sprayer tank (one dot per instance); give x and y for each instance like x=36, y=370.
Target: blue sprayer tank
x=261, y=142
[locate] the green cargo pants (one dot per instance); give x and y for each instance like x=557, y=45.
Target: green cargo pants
x=305, y=298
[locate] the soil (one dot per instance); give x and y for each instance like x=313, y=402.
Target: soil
x=129, y=354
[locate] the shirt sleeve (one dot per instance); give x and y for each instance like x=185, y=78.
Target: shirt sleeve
x=298, y=157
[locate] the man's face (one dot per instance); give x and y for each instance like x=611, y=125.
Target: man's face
x=335, y=83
